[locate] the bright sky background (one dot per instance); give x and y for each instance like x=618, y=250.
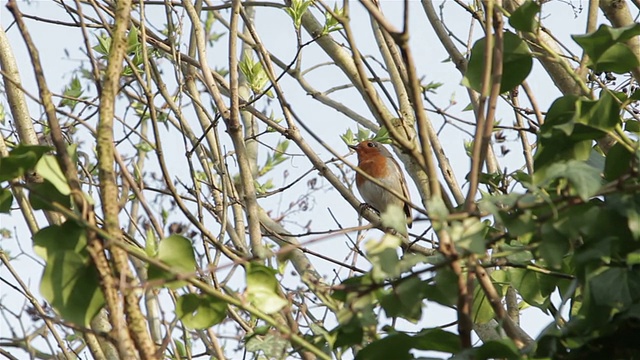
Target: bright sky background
x=59, y=48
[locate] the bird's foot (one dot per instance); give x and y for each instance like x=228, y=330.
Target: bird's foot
x=365, y=206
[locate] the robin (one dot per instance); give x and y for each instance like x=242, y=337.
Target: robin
x=375, y=160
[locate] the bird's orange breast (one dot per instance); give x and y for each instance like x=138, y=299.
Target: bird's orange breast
x=375, y=166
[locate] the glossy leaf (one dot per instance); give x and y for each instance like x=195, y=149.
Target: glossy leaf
x=66, y=237
x=21, y=159
x=272, y=345
x=524, y=17
x=200, y=311
x=394, y=346
x=399, y=345
x=262, y=288
x=607, y=49
x=6, y=199
x=469, y=234
x=445, y=290
x=176, y=252
x=617, y=163
x=585, y=180
x=516, y=64
x=44, y=195
x=70, y=283
x=404, y=300
x=49, y=169
x=383, y=255
x=436, y=339
x=602, y=114
x=611, y=288
x=534, y=287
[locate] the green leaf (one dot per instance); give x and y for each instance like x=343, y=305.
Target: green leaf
x=176, y=252
x=262, y=288
x=566, y=134
x=524, y=17
x=445, y=289
x=394, y=346
x=534, y=287
x=516, y=63
x=71, y=92
x=254, y=72
x=469, y=234
x=404, y=300
x=272, y=345
x=617, y=162
x=436, y=339
x=181, y=350
x=49, y=169
x=394, y=218
x=607, y=49
x=602, y=114
x=382, y=136
x=611, y=288
x=348, y=137
x=383, y=255
x=20, y=160
x=104, y=44
x=296, y=10
x=633, y=258
x=494, y=349
x=481, y=309
x=200, y=311
x=66, y=237
x=584, y=178
x=70, y=283
x=553, y=247
x=6, y=199
x=43, y=195
x=350, y=333
x=628, y=205
x=632, y=125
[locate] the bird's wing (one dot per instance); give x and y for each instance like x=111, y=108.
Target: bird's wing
x=405, y=190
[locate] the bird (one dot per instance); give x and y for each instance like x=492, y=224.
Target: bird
x=375, y=160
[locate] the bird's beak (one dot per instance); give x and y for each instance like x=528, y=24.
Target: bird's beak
x=354, y=147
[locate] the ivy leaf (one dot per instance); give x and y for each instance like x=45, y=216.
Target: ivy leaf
x=602, y=114
x=21, y=159
x=436, y=339
x=469, y=234
x=531, y=286
x=6, y=199
x=607, y=49
x=524, y=17
x=617, y=162
x=383, y=255
x=49, y=169
x=445, y=290
x=262, y=288
x=610, y=288
x=72, y=92
x=516, y=63
x=70, y=283
x=394, y=346
x=66, y=237
x=404, y=300
x=43, y=195
x=176, y=252
x=584, y=178
x=200, y=311
x=273, y=345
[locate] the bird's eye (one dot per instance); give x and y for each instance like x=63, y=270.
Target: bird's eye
x=371, y=144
